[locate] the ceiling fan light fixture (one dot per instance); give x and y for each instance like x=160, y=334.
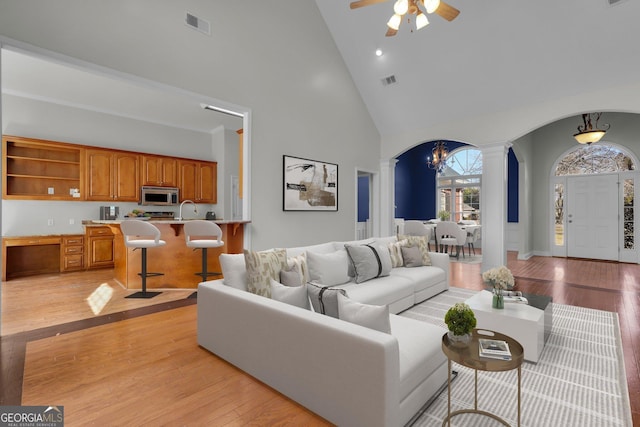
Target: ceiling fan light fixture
x=431, y=5
x=421, y=20
x=401, y=7
x=394, y=22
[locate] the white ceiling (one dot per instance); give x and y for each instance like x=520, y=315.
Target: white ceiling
x=45, y=80
x=496, y=56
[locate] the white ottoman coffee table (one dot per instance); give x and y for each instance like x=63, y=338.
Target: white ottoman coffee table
x=528, y=325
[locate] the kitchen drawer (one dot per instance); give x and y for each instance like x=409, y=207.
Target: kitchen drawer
x=70, y=250
x=73, y=262
x=73, y=240
x=30, y=241
x=99, y=231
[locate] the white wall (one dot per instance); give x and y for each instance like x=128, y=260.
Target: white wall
x=275, y=57
x=543, y=147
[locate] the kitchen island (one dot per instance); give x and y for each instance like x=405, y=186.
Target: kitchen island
x=178, y=262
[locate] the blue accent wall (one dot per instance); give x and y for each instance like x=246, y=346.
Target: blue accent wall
x=363, y=198
x=415, y=183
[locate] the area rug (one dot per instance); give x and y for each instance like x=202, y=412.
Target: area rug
x=579, y=380
x=467, y=259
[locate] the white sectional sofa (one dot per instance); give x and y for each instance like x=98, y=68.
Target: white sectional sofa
x=349, y=374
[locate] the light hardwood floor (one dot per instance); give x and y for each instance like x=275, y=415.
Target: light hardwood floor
x=149, y=370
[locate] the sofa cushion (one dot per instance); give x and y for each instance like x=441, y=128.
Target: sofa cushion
x=419, y=345
x=381, y=291
x=321, y=248
x=234, y=270
x=420, y=277
x=421, y=242
x=296, y=295
x=324, y=299
x=369, y=261
x=262, y=267
x=370, y=316
x=329, y=269
x=411, y=256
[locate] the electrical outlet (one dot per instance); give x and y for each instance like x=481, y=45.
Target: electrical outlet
x=50, y=190
x=72, y=221
x=50, y=222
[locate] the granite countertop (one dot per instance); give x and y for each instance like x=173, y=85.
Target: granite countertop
x=167, y=221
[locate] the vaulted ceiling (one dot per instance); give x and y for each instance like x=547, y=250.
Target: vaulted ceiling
x=497, y=57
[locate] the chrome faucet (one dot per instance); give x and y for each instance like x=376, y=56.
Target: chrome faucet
x=195, y=209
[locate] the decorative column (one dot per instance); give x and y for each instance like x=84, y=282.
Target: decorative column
x=387, y=198
x=494, y=205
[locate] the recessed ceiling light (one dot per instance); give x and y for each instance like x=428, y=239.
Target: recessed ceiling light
x=378, y=52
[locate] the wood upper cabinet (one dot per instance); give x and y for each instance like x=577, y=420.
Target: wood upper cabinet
x=158, y=170
x=41, y=170
x=112, y=175
x=198, y=181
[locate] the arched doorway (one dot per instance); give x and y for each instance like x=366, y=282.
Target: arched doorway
x=594, y=191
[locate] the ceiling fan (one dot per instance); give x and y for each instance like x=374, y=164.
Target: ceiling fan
x=412, y=7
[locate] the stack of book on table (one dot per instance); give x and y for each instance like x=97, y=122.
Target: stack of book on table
x=494, y=349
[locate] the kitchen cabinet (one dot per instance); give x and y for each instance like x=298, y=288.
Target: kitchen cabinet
x=112, y=175
x=72, y=252
x=100, y=252
x=40, y=170
x=198, y=181
x=160, y=171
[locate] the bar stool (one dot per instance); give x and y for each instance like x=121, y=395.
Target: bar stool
x=133, y=230
x=201, y=234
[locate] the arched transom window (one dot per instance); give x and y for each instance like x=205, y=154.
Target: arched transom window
x=597, y=158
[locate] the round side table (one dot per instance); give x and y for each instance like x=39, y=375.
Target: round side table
x=468, y=355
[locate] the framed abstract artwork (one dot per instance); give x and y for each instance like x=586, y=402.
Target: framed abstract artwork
x=309, y=185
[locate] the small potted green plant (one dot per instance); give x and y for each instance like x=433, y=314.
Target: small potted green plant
x=443, y=215
x=460, y=320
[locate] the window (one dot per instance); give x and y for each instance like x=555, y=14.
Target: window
x=459, y=185
x=590, y=159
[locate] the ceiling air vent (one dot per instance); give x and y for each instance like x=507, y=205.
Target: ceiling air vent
x=389, y=80
x=614, y=2
x=198, y=24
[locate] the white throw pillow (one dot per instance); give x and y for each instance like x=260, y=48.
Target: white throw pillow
x=234, y=271
x=370, y=316
x=369, y=261
x=329, y=269
x=299, y=263
x=291, y=295
x=395, y=253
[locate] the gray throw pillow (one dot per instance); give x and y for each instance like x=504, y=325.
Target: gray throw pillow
x=324, y=299
x=369, y=261
x=412, y=256
x=291, y=277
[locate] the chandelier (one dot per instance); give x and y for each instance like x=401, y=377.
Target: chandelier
x=438, y=159
x=588, y=132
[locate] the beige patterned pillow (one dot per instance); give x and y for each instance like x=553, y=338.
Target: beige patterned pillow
x=421, y=242
x=262, y=267
x=299, y=263
x=396, y=253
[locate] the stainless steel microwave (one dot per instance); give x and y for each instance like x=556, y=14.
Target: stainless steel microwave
x=159, y=196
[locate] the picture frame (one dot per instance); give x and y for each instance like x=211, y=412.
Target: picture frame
x=309, y=185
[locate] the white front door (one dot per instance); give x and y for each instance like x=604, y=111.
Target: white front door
x=592, y=217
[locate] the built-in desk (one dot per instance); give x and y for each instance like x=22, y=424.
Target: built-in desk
x=178, y=262
x=30, y=255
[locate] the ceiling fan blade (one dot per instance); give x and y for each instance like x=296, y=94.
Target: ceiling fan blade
x=391, y=32
x=447, y=11
x=363, y=3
